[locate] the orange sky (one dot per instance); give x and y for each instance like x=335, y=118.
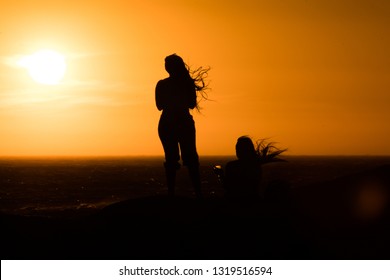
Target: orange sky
x=312, y=75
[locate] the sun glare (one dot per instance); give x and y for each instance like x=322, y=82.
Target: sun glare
x=45, y=66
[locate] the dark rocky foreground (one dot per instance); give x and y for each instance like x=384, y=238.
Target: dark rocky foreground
x=345, y=218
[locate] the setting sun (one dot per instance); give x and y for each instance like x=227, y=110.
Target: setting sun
x=45, y=66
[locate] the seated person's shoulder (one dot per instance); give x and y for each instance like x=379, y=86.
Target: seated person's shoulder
x=242, y=164
x=163, y=82
x=232, y=164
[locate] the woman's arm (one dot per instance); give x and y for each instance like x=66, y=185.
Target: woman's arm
x=192, y=98
x=159, y=96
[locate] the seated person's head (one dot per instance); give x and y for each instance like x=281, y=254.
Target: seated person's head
x=175, y=65
x=245, y=148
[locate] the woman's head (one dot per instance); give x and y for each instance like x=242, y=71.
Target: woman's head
x=177, y=68
x=175, y=65
x=245, y=148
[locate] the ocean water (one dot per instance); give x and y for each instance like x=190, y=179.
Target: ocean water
x=35, y=186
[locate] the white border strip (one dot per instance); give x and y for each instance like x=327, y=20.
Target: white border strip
x=211, y=269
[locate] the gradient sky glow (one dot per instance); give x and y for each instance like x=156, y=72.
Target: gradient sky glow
x=313, y=75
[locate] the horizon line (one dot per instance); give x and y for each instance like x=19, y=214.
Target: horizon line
x=200, y=156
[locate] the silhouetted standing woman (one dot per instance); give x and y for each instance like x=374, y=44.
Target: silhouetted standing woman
x=175, y=96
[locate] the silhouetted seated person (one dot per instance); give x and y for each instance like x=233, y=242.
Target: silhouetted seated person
x=242, y=177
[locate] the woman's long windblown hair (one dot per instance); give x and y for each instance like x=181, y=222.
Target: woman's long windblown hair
x=262, y=152
x=199, y=76
x=267, y=152
x=176, y=67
